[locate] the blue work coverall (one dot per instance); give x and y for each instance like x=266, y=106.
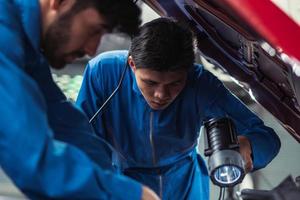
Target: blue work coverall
x=33, y=110
x=158, y=147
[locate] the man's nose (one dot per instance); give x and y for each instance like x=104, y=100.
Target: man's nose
x=162, y=93
x=92, y=45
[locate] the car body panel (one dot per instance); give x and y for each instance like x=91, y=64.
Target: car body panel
x=261, y=53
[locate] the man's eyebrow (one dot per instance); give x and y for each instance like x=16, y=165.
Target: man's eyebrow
x=177, y=81
x=148, y=80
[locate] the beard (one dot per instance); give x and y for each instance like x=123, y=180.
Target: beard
x=56, y=38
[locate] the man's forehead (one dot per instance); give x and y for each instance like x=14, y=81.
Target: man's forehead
x=92, y=15
x=162, y=77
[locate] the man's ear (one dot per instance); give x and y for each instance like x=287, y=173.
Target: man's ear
x=131, y=63
x=60, y=4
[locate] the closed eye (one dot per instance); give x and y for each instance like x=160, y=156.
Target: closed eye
x=176, y=83
x=149, y=82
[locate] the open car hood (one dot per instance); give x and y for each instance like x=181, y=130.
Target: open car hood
x=255, y=42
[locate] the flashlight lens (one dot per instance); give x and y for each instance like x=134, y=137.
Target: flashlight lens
x=227, y=174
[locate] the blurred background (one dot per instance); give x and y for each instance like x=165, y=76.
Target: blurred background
x=287, y=161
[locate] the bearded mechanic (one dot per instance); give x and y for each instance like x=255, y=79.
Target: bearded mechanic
x=34, y=35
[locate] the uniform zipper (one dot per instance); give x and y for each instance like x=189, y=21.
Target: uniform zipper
x=160, y=186
x=153, y=154
x=151, y=139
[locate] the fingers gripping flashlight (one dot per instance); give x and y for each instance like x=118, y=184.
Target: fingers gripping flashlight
x=225, y=163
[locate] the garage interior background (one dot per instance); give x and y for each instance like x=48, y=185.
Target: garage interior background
x=287, y=161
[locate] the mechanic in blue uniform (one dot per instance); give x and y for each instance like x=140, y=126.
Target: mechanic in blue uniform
x=154, y=120
x=34, y=34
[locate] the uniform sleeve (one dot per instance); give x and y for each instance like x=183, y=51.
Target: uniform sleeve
x=69, y=124
x=90, y=96
x=40, y=166
x=100, y=79
x=264, y=141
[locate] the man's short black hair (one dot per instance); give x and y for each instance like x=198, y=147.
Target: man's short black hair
x=163, y=45
x=120, y=15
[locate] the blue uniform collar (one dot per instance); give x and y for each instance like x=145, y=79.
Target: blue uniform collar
x=30, y=13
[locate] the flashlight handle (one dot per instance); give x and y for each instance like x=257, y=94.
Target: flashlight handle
x=219, y=134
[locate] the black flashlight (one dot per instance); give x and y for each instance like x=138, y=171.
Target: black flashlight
x=225, y=163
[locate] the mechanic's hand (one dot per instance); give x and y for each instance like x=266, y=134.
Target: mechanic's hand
x=148, y=194
x=246, y=151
